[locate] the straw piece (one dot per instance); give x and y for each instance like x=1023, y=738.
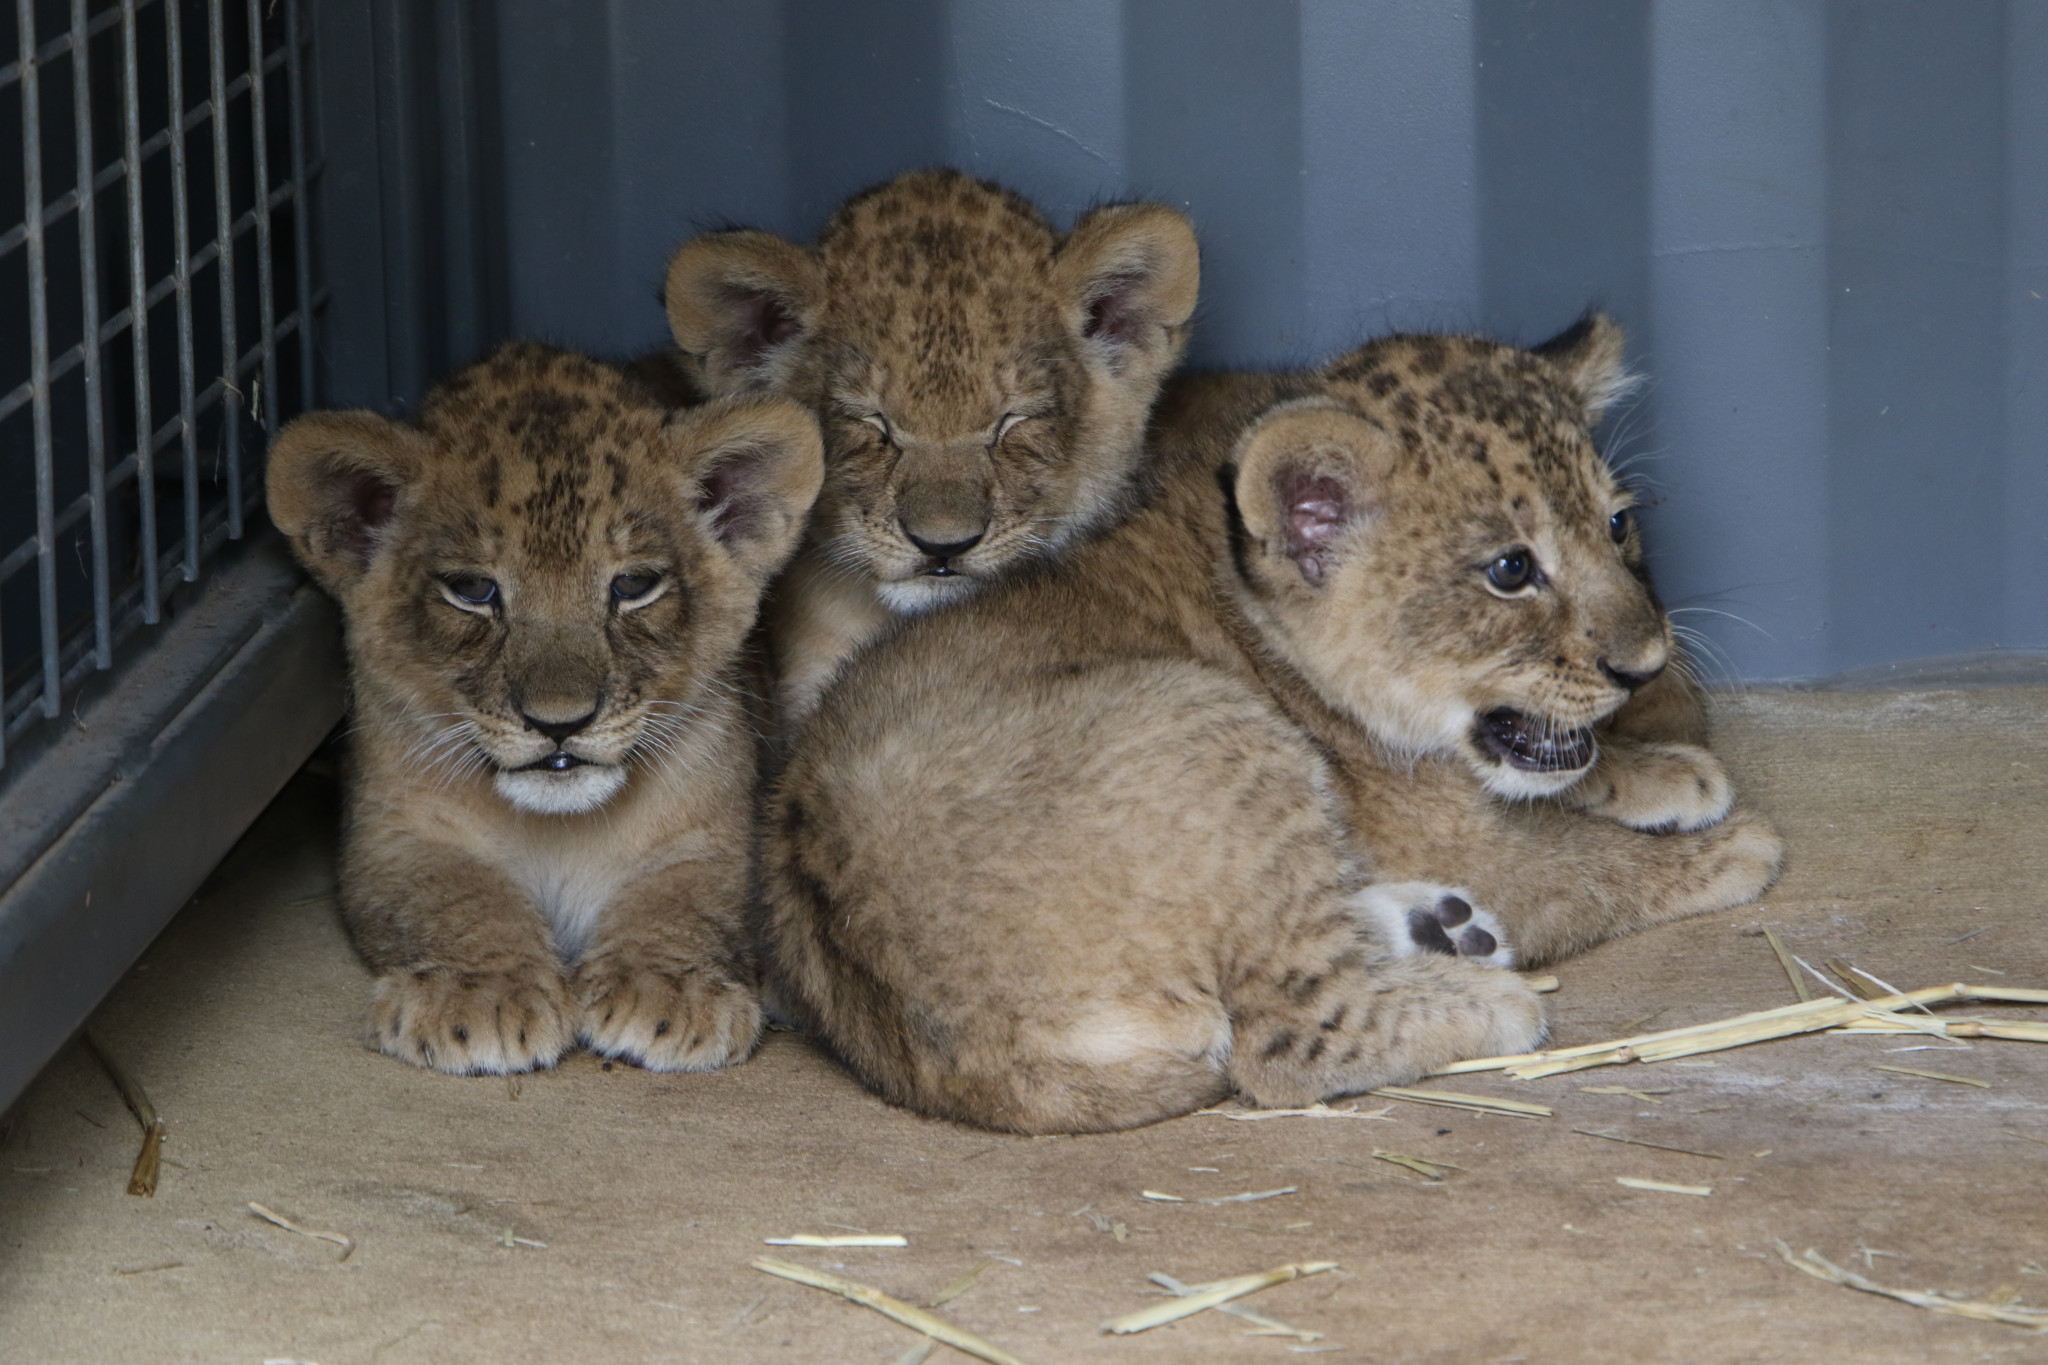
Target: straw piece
x=1638, y=1142
x=958, y=1287
x=343, y=1240
x=1647, y=1096
x=1451, y=1099
x=1934, y=1075
x=1806, y=1017
x=1785, y=961
x=1818, y=1266
x=1636, y=1182
x=1249, y=1197
x=1158, y=1198
x=1223, y=1291
x=915, y=1318
x=1428, y=1170
x=1267, y=1327
x=812, y=1239
x=1542, y=985
x=1314, y=1111
x=149, y=1161
x=1861, y=982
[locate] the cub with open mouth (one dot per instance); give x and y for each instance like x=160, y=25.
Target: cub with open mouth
x=547, y=583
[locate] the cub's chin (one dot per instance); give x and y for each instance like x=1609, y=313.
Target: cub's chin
x=574, y=790
x=1523, y=757
x=926, y=592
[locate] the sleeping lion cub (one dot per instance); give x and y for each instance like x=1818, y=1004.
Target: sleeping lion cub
x=1083, y=853
x=546, y=583
x=982, y=384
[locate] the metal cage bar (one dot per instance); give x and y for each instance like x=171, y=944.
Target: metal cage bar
x=95, y=485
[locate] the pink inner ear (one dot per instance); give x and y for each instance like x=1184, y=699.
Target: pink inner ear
x=725, y=491
x=1318, y=507
x=765, y=323
x=367, y=502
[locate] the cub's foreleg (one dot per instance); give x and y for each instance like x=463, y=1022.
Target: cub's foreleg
x=666, y=981
x=1653, y=786
x=467, y=978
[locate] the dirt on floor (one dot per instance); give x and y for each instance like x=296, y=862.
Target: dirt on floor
x=597, y=1213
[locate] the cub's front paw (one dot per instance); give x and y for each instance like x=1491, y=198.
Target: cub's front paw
x=696, y=1019
x=1408, y=918
x=467, y=1023
x=1654, y=787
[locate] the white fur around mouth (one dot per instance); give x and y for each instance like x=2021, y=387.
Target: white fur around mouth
x=909, y=596
x=582, y=788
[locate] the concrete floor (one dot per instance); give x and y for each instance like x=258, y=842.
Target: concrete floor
x=1911, y=819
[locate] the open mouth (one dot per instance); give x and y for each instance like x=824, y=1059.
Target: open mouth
x=1535, y=745
x=560, y=761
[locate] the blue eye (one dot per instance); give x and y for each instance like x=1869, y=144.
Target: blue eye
x=1511, y=571
x=475, y=589
x=1621, y=523
x=628, y=586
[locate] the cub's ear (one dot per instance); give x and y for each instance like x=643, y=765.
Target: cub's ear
x=333, y=487
x=1133, y=271
x=736, y=301
x=1307, y=474
x=1588, y=353
x=755, y=464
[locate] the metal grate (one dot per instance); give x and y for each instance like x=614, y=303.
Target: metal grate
x=167, y=122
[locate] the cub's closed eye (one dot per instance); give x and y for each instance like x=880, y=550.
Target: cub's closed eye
x=630, y=587
x=1512, y=571
x=1621, y=523
x=1008, y=423
x=881, y=424
x=474, y=590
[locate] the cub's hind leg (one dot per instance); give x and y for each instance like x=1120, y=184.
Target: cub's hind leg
x=1336, y=1017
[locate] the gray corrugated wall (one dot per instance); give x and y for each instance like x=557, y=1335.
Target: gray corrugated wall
x=1825, y=226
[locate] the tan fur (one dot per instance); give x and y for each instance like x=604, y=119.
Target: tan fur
x=1129, y=867
x=620, y=551
x=981, y=383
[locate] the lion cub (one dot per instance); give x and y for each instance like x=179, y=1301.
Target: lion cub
x=1121, y=873
x=546, y=584
x=982, y=384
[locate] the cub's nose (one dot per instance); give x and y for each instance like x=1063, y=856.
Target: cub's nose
x=558, y=730
x=943, y=549
x=1628, y=679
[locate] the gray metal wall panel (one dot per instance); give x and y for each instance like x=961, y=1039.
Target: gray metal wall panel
x=1824, y=223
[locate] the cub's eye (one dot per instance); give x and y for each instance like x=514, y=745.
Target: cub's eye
x=1008, y=423
x=628, y=587
x=881, y=424
x=474, y=590
x=1621, y=523
x=1512, y=571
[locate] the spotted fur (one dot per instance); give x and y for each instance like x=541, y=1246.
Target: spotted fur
x=547, y=582
x=1138, y=863
x=982, y=383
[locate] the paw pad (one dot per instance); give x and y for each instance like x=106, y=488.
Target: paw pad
x=1431, y=930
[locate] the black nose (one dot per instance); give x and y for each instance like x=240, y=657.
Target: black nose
x=951, y=549
x=559, y=730
x=1631, y=681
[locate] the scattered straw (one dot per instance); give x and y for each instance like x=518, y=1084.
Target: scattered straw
x=1451, y=1099
x=1314, y=1111
x=958, y=1287
x=1647, y=1096
x=1785, y=961
x=1160, y=1198
x=342, y=1240
x=149, y=1161
x=1263, y=1326
x=1934, y=1076
x=1210, y=1296
x=1818, y=1266
x=1810, y=1016
x=1249, y=1197
x=1638, y=1142
x=1428, y=1170
x=1636, y=1182
x=912, y=1317
x=811, y=1239
x=1860, y=981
